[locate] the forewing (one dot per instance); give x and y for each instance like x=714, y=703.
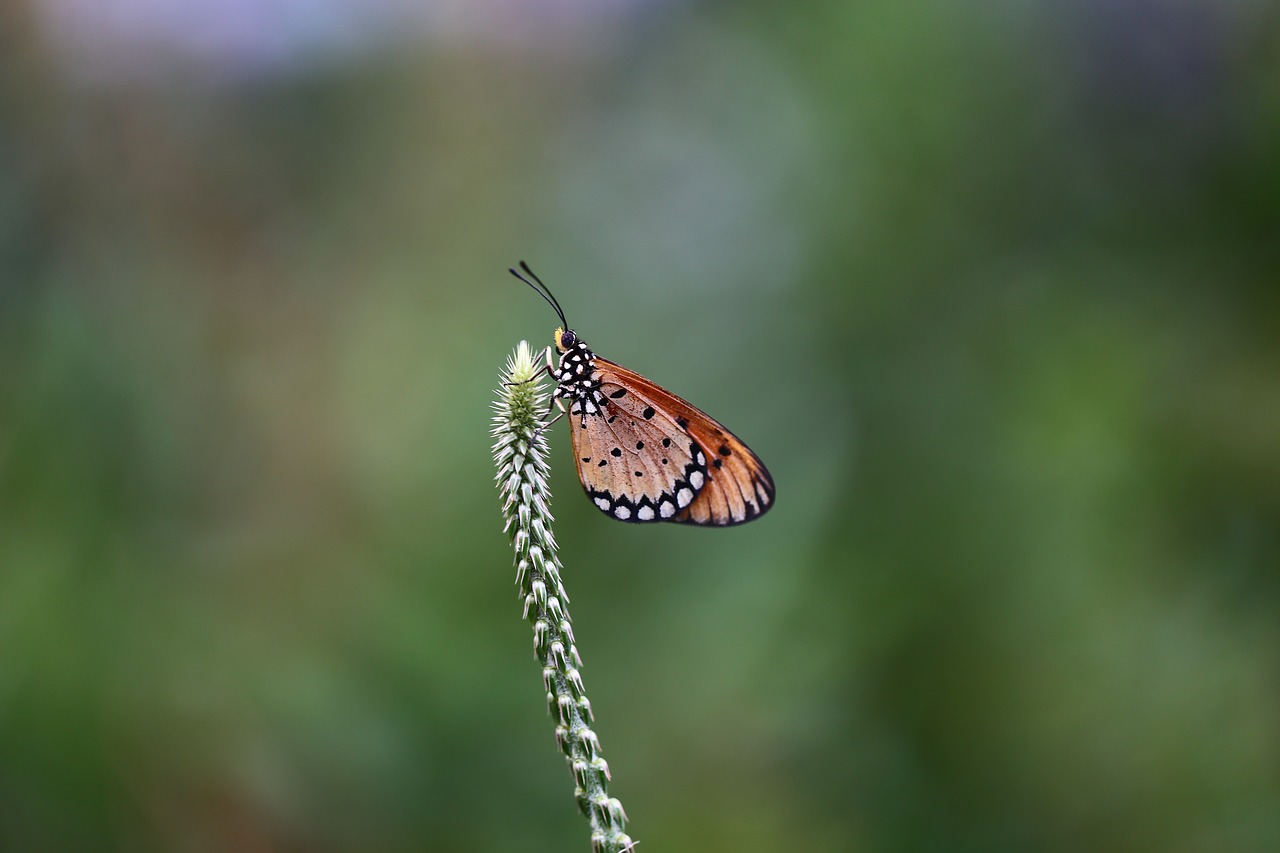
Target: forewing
x=729, y=483
x=739, y=488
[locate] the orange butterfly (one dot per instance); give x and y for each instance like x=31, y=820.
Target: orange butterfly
x=643, y=453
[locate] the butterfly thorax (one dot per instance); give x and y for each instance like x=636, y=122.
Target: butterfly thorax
x=577, y=381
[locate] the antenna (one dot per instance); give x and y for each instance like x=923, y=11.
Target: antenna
x=540, y=289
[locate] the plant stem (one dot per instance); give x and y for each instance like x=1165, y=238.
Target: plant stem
x=520, y=452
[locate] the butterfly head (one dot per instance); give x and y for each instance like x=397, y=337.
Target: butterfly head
x=565, y=340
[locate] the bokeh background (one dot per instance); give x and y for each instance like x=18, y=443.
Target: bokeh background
x=991, y=287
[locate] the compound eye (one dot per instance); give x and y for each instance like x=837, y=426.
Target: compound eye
x=568, y=339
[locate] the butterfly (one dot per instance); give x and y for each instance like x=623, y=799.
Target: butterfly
x=644, y=454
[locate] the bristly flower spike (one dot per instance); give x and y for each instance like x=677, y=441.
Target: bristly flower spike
x=520, y=453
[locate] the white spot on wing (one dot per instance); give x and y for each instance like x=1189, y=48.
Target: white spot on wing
x=684, y=497
x=622, y=512
x=695, y=479
x=667, y=508
x=645, y=513
x=603, y=503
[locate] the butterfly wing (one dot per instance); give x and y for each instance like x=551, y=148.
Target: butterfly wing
x=636, y=468
x=665, y=459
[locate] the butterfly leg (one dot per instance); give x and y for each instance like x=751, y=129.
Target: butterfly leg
x=554, y=402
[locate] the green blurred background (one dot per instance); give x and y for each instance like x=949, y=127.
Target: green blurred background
x=991, y=287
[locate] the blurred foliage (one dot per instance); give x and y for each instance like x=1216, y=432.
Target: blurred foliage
x=992, y=289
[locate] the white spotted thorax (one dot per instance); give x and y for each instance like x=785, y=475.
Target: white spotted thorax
x=576, y=376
